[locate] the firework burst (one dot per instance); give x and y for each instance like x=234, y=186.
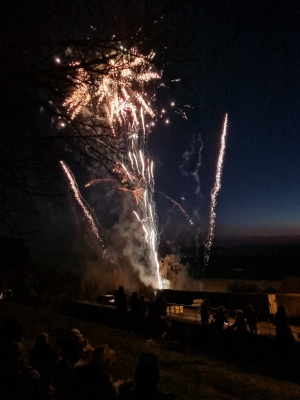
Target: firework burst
x=214, y=194
x=114, y=92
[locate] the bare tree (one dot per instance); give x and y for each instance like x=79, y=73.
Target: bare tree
x=46, y=55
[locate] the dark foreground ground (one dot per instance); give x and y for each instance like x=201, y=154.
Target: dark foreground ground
x=207, y=372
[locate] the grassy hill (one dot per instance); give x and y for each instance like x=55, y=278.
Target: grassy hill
x=192, y=374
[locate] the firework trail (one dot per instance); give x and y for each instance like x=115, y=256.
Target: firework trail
x=95, y=181
x=80, y=201
x=119, y=101
x=179, y=206
x=214, y=194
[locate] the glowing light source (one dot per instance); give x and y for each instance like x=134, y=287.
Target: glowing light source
x=214, y=193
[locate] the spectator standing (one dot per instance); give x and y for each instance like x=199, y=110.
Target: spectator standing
x=134, y=303
x=283, y=331
x=121, y=303
x=251, y=318
x=161, y=304
x=205, y=311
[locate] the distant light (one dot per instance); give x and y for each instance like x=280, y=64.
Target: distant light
x=62, y=124
x=172, y=104
x=152, y=123
x=182, y=198
x=163, y=111
x=167, y=121
x=57, y=60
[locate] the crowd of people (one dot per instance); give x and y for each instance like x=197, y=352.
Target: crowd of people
x=73, y=370
x=246, y=321
x=153, y=317
x=149, y=317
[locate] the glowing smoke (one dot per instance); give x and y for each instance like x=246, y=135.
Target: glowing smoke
x=186, y=158
x=194, y=174
x=214, y=194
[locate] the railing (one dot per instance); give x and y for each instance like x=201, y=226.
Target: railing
x=191, y=313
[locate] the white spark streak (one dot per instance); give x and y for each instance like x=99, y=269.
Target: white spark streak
x=136, y=163
x=142, y=161
x=79, y=200
x=136, y=214
x=156, y=260
x=150, y=208
x=131, y=160
x=125, y=169
x=143, y=122
x=214, y=193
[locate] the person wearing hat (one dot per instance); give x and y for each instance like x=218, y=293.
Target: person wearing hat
x=93, y=381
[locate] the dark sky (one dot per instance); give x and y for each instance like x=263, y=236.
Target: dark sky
x=246, y=62
x=239, y=57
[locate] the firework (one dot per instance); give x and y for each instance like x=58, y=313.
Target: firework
x=95, y=181
x=214, y=194
x=179, y=206
x=80, y=201
x=114, y=93
x=137, y=192
x=127, y=173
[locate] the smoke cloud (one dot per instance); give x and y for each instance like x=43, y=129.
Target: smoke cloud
x=195, y=144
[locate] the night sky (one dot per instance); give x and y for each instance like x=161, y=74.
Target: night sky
x=246, y=63
x=235, y=57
